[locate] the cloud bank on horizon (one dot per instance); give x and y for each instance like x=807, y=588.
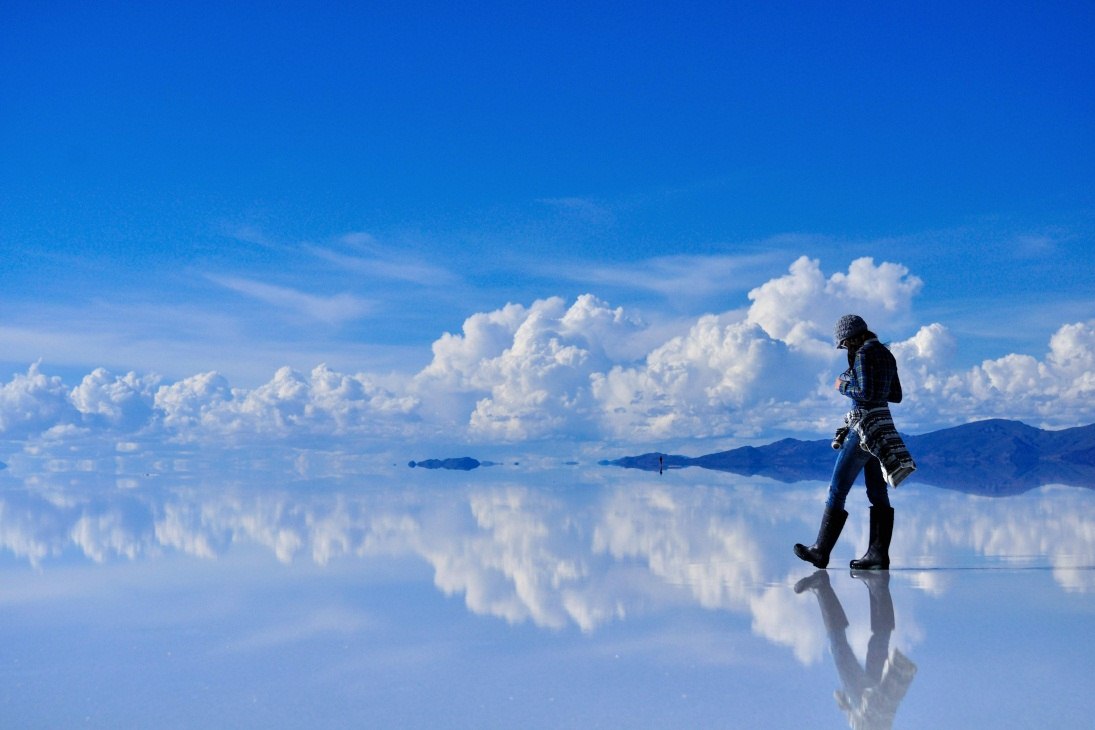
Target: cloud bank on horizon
x=581, y=370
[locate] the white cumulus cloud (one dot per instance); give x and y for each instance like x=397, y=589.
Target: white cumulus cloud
x=714, y=380
x=584, y=369
x=124, y=401
x=1057, y=390
x=33, y=403
x=800, y=307
x=321, y=403
x=527, y=371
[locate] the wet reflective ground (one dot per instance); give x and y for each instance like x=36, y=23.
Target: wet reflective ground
x=561, y=596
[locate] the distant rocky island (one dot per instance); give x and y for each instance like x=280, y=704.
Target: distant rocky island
x=993, y=457
x=464, y=463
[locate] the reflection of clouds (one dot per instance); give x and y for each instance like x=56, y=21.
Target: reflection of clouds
x=781, y=618
x=521, y=555
x=39, y=528
x=516, y=562
x=180, y=526
x=934, y=583
x=695, y=539
x=558, y=559
x=1052, y=524
x=30, y=534
x=108, y=534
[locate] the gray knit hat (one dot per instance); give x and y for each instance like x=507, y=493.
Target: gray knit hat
x=848, y=327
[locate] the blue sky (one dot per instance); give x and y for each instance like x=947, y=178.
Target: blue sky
x=195, y=187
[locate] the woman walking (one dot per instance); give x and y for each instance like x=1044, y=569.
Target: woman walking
x=871, y=444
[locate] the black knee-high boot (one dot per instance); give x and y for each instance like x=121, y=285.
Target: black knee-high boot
x=877, y=556
x=832, y=522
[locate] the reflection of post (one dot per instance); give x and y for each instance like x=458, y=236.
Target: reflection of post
x=871, y=693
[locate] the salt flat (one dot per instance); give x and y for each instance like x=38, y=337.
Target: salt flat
x=257, y=595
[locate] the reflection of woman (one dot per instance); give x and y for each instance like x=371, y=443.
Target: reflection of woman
x=871, y=693
x=872, y=446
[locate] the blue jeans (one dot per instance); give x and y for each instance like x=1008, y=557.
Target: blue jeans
x=851, y=460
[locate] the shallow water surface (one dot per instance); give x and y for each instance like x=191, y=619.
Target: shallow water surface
x=530, y=597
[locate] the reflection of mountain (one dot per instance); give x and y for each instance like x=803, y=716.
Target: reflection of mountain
x=994, y=457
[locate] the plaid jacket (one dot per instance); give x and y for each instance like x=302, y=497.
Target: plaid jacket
x=872, y=384
x=872, y=380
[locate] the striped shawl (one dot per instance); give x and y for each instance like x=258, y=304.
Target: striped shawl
x=879, y=437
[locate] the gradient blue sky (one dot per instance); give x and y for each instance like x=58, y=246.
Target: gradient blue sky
x=225, y=186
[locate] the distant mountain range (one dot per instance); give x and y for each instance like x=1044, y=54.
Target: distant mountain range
x=993, y=457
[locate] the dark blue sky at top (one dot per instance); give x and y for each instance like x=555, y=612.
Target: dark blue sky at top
x=138, y=140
